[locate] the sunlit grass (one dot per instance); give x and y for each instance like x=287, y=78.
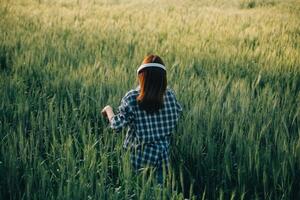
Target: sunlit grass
x=234, y=66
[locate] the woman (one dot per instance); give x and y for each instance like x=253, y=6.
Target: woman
x=151, y=112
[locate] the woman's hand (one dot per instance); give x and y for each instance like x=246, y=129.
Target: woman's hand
x=107, y=111
x=104, y=110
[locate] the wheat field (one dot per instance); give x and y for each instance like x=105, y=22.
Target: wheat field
x=233, y=64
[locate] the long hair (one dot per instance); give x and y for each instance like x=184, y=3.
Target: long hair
x=153, y=84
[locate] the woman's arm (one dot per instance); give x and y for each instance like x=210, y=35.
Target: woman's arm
x=124, y=115
x=108, y=112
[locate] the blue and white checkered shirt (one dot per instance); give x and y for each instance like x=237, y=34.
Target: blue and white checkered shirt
x=148, y=135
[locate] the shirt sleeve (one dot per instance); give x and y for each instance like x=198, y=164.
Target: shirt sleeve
x=123, y=117
x=177, y=104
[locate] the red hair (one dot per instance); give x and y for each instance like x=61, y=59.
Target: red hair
x=153, y=84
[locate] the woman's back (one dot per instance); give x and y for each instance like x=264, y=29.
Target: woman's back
x=148, y=134
x=156, y=126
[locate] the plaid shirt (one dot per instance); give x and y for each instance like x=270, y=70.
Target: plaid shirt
x=148, y=135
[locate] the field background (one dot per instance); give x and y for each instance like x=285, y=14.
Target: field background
x=234, y=65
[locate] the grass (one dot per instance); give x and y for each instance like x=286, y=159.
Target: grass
x=256, y=3
x=235, y=70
